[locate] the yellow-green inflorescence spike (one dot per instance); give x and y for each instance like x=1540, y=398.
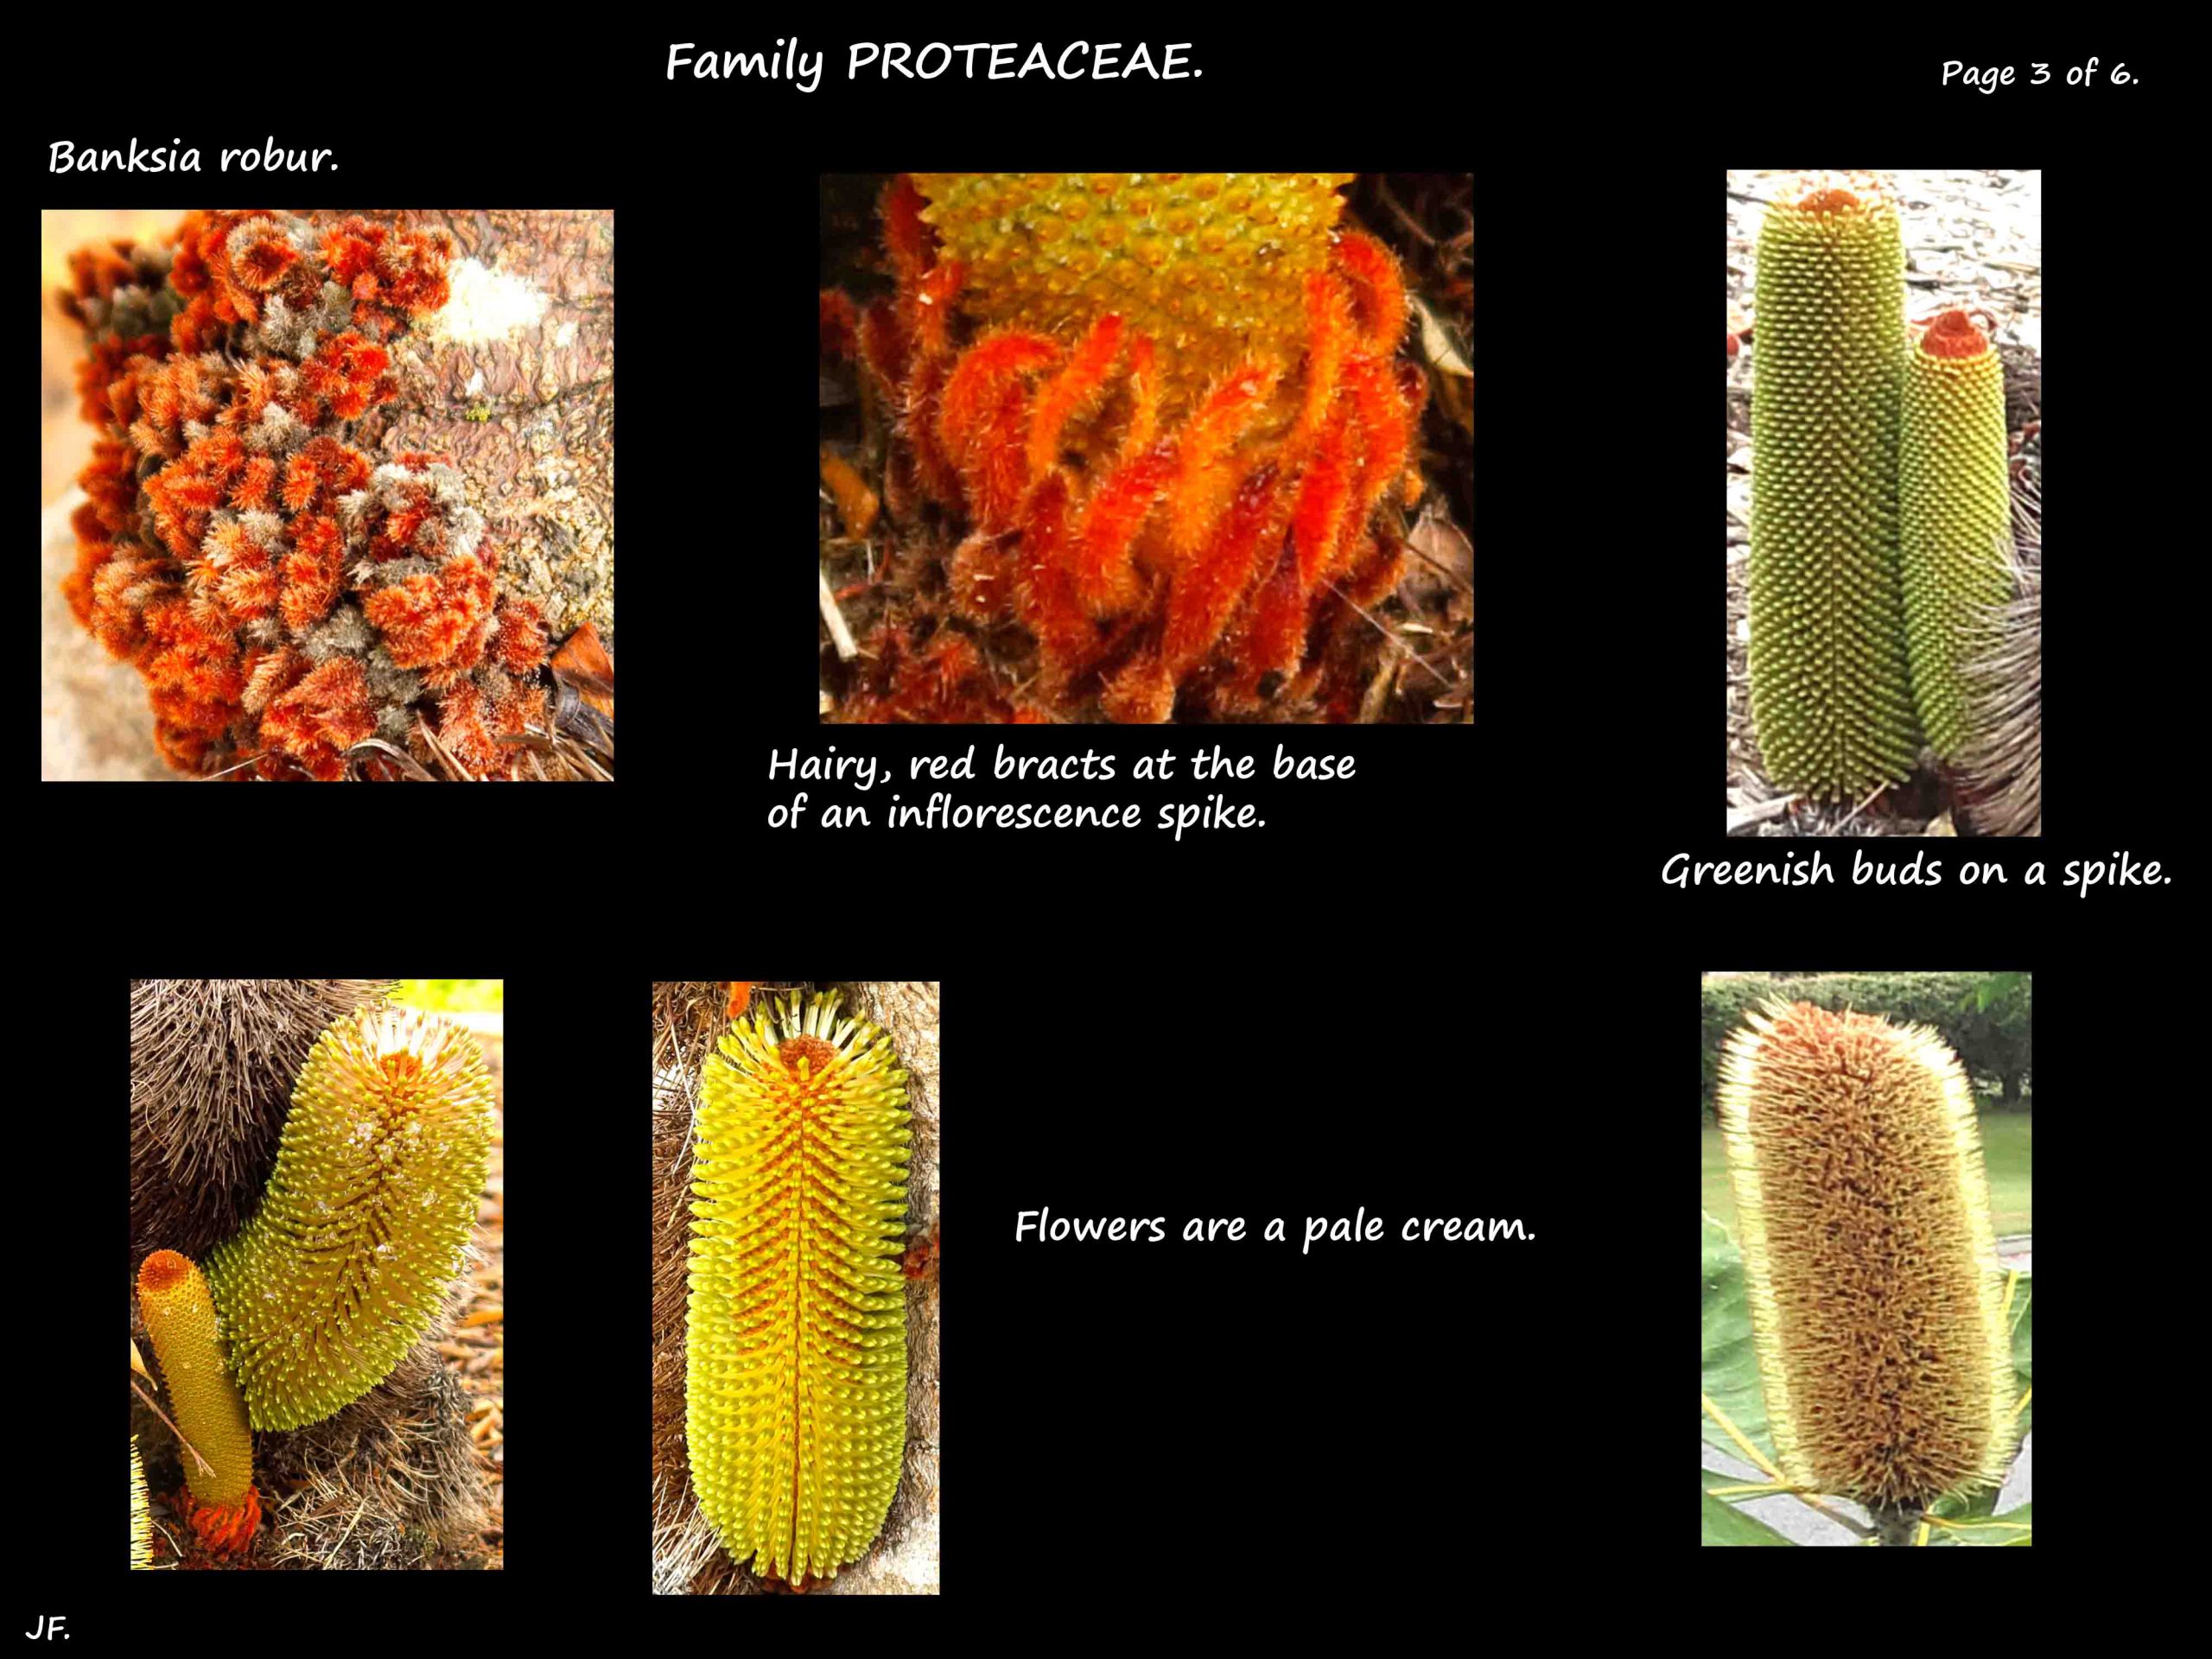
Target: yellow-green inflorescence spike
x=1830, y=693
x=1210, y=265
x=1954, y=503
x=181, y=1318
x=796, y=1385
x=363, y=1222
x=1875, y=1288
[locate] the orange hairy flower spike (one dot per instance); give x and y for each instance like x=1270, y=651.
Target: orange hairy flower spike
x=997, y=467
x=972, y=395
x=1386, y=425
x=318, y=719
x=908, y=241
x=1378, y=290
x=1317, y=518
x=933, y=298
x=1329, y=330
x=1204, y=591
x=464, y=728
x=251, y=493
x=1144, y=396
x=519, y=643
x=1139, y=693
x=1070, y=391
x=1274, y=634
x=981, y=578
x=311, y=573
x=939, y=476
x=1066, y=639
x=1205, y=449
x=1105, y=574
x=299, y=480
x=260, y=254
x=1378, y=566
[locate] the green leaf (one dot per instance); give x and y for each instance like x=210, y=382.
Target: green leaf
x=1724, y=1525
x=1731, y=1367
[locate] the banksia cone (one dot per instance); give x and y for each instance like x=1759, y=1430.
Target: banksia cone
x=141, y=1527
x=796, y=1386
x=1953, y=497
x=1868, y=1255
x=364, y=1218
x=1830, y=693
x=173, y=1297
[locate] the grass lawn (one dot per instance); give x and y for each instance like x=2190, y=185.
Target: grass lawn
x=2007, y=1140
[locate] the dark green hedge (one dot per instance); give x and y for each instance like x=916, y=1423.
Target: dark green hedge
x=1985, y=1017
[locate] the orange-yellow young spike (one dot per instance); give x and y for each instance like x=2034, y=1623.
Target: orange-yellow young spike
x=180, y=1315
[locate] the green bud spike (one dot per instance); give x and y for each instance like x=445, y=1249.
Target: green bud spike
x=1954, y=504
x=1830, y=692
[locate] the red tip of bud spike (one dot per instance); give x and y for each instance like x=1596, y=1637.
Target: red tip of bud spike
x=1954, y=334
x=162, y=1270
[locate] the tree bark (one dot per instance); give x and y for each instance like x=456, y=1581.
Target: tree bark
x=519, y=390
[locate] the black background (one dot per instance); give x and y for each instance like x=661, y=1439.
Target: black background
x=1455, y=986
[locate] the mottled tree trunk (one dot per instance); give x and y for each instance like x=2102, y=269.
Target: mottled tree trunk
x=519, y=390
